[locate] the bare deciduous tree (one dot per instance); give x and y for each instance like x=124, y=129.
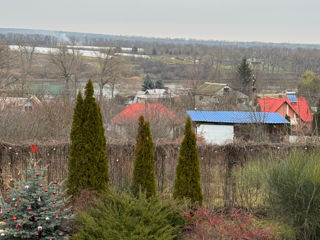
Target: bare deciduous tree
x=6, y=62
x=196, y=79
x=108, y=71
x=65, y=60
x=26, y=53
x=26, y=50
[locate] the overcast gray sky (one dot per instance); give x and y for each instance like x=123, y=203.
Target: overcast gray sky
x=294, y=21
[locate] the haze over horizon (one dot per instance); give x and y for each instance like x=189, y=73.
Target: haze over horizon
x=289, y=21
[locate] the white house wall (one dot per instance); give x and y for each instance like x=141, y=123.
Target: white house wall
x=216, y=134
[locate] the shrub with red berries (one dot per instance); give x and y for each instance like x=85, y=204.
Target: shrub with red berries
x=210, y=225
x=34, y=209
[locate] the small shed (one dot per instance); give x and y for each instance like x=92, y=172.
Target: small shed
x=222, y=127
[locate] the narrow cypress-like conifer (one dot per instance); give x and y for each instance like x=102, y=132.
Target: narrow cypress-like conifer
x=88, y=166
x=245, y=75
x=77, y=146
x=143, y=173
x=187, y=182
x=95, y=143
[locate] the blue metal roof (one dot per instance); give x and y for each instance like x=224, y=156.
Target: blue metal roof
x=237, y=117
x=292, y=98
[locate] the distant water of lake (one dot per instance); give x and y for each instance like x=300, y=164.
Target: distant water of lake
x=56, y=89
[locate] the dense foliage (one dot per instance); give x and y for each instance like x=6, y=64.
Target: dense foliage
x=187, y=182
x=159, y=84
x=309, y=87
x=123, y=216
x=245, y=76
x=35, y=210
x=287, y=189
x=147, y=83
x=88, y=166
x=210, y=225
x=77, y=146
x=294, y=192
x=143, y=172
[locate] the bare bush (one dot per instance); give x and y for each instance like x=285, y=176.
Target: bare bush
x=50, y=121
x=163, y=123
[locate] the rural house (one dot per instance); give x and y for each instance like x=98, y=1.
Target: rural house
x=222, y=127
x=20, y=103
x=212, y=93
x=163, y=121
x=295, y=107
x=153, y=95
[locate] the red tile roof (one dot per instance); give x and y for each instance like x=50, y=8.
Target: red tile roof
x=151, y=111
x=300, y=107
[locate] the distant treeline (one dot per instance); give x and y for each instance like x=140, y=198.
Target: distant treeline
x=94, y=39
x=277, y=66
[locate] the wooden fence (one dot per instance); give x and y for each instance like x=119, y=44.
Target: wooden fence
x=216, y=164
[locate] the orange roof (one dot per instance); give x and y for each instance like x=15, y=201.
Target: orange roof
x=151, y=111
x=300, y=107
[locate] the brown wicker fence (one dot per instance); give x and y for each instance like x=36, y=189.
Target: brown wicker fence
x=216, y=163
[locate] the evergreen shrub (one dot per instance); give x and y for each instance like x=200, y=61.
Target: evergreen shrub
x=88, y=165
x=34, y=209
x=187, y=182
x=143, y=172
x=124, y=216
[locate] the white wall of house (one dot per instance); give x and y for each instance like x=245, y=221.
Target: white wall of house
x=216, y=134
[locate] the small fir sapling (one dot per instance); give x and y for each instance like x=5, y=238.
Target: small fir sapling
x=187, y=182
x=34, y=209
x=143, y=172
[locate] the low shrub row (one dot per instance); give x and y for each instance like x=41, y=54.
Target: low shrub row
x=124, y=216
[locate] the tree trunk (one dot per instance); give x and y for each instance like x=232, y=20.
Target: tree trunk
x=112, y=90
x=75, y=85
x=101, y=91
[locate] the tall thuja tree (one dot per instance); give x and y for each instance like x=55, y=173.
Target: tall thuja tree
x=187, y=182
x=76, y=160
x=35, y=209
x=143, y=172
x=88, y=166
x=245, y=76
x=147, y=83
x=95, y=164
